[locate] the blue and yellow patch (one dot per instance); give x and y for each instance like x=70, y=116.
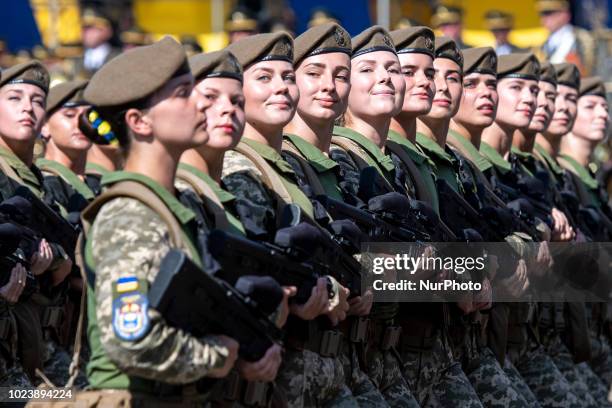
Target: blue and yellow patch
x=130, y=309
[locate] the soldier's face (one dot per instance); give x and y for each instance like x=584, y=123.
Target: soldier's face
x=377, y=85
x=545, y=107
x=270, y=93
x=592, y=119
x=324, y=83
x=418, y=71
x=478, y=101
x=448, y=89
x=63, y=129
x=22, y=112
x=177, y=117
x=225, y=118
x=94, y=36
x=565, y=111
x=517, y=102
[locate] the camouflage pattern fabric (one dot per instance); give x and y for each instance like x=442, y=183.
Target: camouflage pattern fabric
x=309, y=380
x=519, y=383
x=492, y=385
x=57, y=365
x=436, y=379
x=130, y=239
x=601, y=361
x=364, y=391
x=384, y=369
x=596, y=387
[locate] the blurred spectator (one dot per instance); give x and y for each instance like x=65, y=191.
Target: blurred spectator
x=321, y=15
x=191, y=45
x=240, y=24
x=97, y=33
x=566, y=43
x=449, y=20
x=134, y=37
x=500, y=24
x=405, y=22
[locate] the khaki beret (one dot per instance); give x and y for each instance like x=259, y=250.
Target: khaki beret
x=135, y=36
x=446, y=15
x=568, y=75
x=548, y=73
x=499, y=20
x=214, y=65
x=518, y=65
x=321, y=39
x=68, y=93
x=30, y=72
x=592, y=86
x=241, y=20
x=372, y=39
x=447, y=48
x=481, y=60
x=263, y=47
x=136, y=74
x=546, y=6
x=93, y=17
x=418, y=40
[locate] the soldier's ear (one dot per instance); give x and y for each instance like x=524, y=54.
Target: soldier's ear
x=45, y=132
x=138, y=123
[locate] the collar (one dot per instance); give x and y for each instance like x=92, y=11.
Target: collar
x=474, y=155
x=70, y=176
x=271, y=156
x=382, y=159
x=182, y=213
x=26, y=173
x=552, y=163
x=313, y=155
x=495, y=158
x=583, y=173
x=95, y=168
x=413, y=151
x=433, y=149
x=224, y=196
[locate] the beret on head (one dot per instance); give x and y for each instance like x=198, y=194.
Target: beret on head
x=136, y=74
x=548, y=73
x=592, y=86
x=544, y=6
x=321, y=39
x=482, y=60
x=31, y=72
x=263, y=47
x=218, y=64
x=418, y=40
x=447, y=48
x=372, y=39
x=446, y=15
x=520, y=65
x=568, y=75
x=66, y=94
x=499, y=20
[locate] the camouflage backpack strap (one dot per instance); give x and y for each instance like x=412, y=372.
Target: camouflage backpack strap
x=357, y=155
x=8, y=170
x=211, y=202
x=311, y=175
x=421, y=190
x=270, y=178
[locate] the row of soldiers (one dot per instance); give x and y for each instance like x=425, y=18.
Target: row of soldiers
x=160, y=161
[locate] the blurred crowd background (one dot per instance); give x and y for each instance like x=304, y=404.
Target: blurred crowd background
x=76, y=37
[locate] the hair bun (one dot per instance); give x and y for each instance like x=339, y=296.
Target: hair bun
x=97, y=129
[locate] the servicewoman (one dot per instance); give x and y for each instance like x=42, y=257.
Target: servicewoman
x=136, y=357
x=264, y=183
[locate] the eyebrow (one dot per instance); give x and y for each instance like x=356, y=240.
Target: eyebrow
x=452, y=71
x=315, y=64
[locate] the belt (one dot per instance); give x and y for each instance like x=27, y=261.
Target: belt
x=250, y=393
x=355, y=328
x=384, y=334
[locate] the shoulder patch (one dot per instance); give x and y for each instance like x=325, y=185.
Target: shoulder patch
x=130, y=309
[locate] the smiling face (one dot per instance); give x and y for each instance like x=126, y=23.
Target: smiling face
x=63, y=128
x=418, y=71
x=225, y=118
x=565, y=111
x=270, y=93
x=592, y=119
x=545, y=107
x=377, y=85
x=324, y=84
x=448, y=89
x=517, y=102
x=22, y=111
x=478, y=101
